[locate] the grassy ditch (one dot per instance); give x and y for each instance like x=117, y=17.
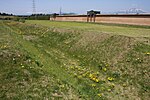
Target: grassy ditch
x=69, y=60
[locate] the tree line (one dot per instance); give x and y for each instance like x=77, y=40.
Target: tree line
x=5, y=14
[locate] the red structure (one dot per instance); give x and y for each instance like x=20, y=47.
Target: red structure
x=140, y=19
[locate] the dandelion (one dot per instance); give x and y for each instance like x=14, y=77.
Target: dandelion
x=83, y=75
x=13, y=59
x=72, y=67
x=62, y=86
x=97, y=80
x=79, y=69
x=90, y=76
x=106, y=65
x=148, y=53
x=110, y=79
x=105, y=69
x=79, y=77
x=76, y=67
x=93, y=79
x=29, y=60
x=5, y=46
x=75, y=74
x=93, y=85
x=22, y=66
x=97, y=73
x=100, y=95
x=109, y=90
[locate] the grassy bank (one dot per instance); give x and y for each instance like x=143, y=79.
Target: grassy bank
x=126, y=30
x=70, y=60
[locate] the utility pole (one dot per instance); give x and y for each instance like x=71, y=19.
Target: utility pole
x=60, y=11
x=34, y=8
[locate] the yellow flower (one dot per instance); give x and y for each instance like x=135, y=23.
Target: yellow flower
x=97, y=80
x=110, y=79
x=62, y=86
x=79, y=69
x=93, y=79
x=97, y=73
x=76, y=67
x=90, y=75
x=79, y=77
x=109, y=90
x=75, y=74
x=5, y=46
x=83, y=75
x=72, y=67
x=105, y=69
x=106, y=65
x=93, y=85
x=100, y=95
x=148, y=53
x=22, y=66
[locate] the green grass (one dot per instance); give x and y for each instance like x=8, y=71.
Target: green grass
x=70, y=60
x=131, y=31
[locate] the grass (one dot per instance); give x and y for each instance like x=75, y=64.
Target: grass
x=70, y=60
x=132, y=31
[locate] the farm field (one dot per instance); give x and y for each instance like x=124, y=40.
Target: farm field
x=48, y=60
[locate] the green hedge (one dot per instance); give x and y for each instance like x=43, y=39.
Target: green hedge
x=38, y=17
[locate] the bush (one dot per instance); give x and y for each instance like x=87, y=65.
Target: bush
x=15, y=19
x=22, y=20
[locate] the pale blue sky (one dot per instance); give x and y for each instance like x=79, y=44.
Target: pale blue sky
x=77, y=6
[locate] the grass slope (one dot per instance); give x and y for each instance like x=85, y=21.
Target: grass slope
x=126, y=30
x=69, y=60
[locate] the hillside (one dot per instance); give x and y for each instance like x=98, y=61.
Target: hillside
x=70, y=60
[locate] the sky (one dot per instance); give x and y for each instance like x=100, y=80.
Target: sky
x=24, y=7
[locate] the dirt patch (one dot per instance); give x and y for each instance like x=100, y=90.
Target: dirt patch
x=127, y=45
x=91, y=39
x=30, y=37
